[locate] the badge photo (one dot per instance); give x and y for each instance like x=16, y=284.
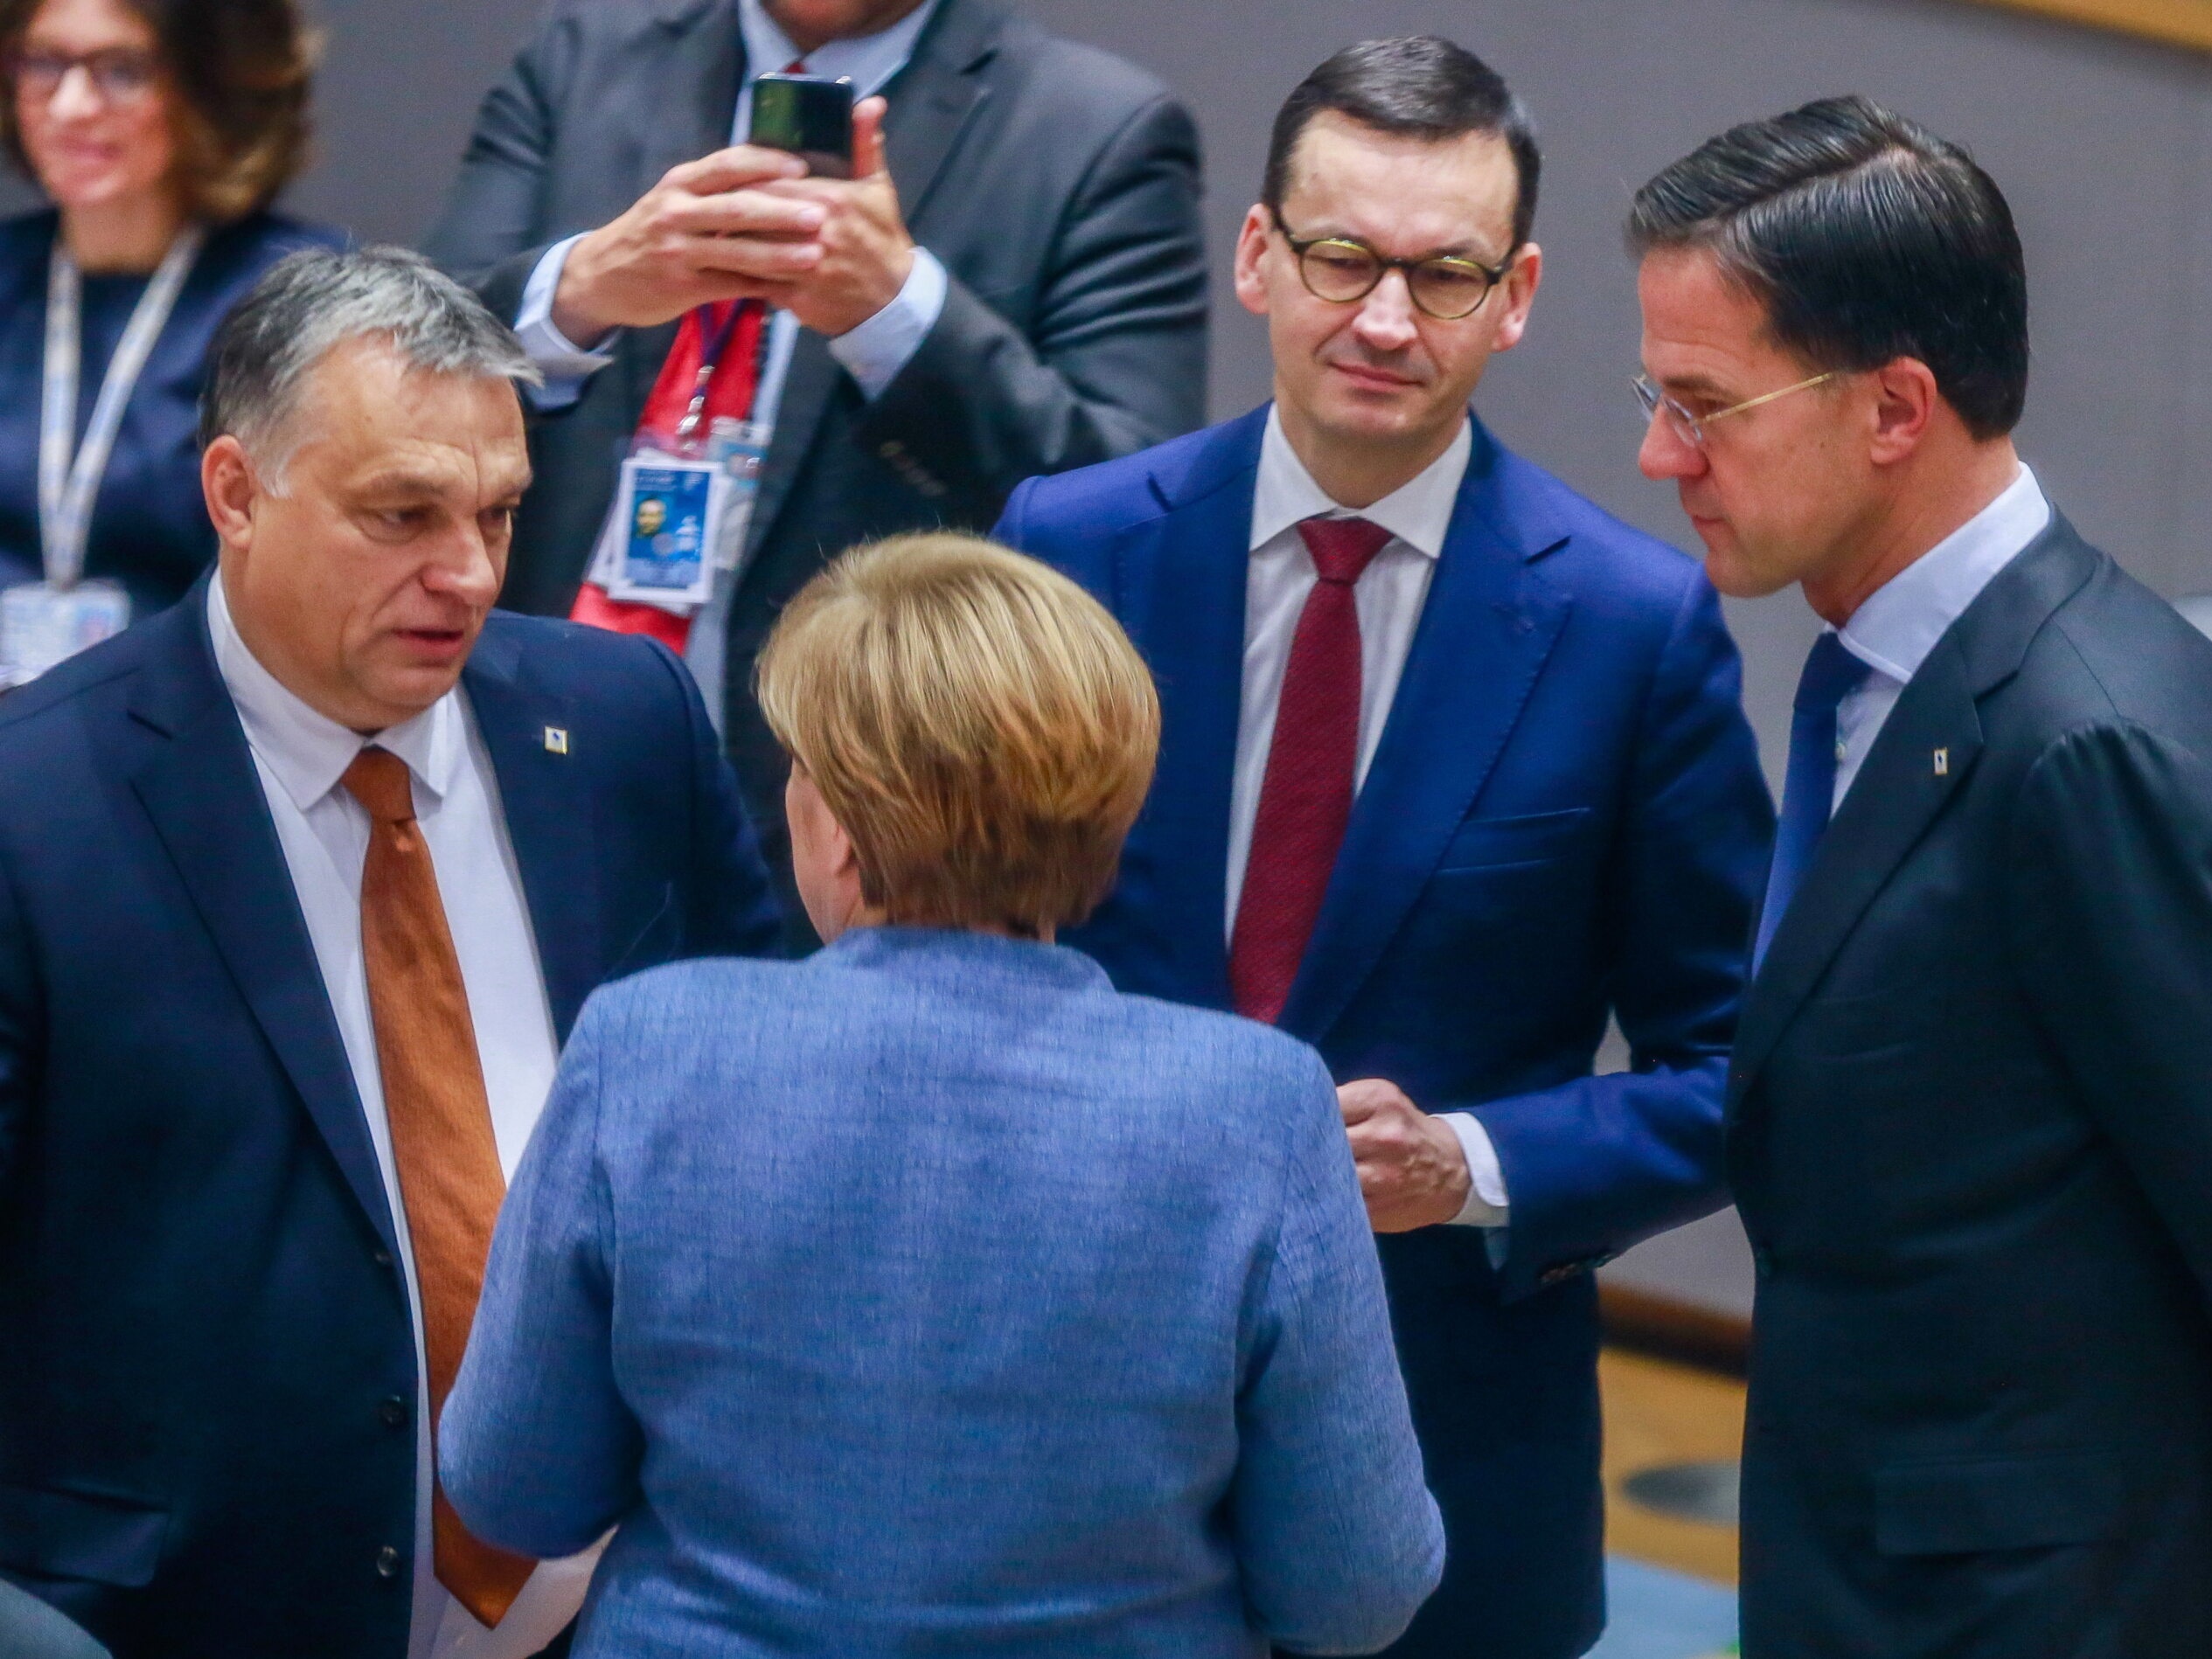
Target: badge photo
x=669, y=513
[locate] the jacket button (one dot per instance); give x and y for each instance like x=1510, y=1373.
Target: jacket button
x=1762, y=1263
x=380, y=1257
x=393, y=1410
x=387, y=1563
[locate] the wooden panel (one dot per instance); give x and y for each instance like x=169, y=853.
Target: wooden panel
x=1657, y=1412
x=2183, y=23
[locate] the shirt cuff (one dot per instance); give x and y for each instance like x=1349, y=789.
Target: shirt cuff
x=873, y=353
x=1485, y=1205
x=565, y=365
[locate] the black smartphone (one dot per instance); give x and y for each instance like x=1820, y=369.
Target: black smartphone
x=808, y=115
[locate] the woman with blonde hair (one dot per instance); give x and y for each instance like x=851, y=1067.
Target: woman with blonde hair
x=160, y=132
x=929, y=1296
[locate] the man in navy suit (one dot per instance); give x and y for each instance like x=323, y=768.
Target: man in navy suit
x=302, y=884
x=1970, y=1109
x=1453, y=767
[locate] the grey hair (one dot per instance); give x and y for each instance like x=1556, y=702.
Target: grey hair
x=313, y=301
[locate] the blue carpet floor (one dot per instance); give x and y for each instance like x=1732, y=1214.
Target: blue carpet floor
x=1653, y=1613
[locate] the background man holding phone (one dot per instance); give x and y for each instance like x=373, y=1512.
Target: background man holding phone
x=937, y=328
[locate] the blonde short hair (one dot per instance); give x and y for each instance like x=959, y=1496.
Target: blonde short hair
x=979, y=726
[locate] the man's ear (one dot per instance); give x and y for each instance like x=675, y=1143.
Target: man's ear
x=1251, y=247
x=1905, y=401
x=1523, y=278
x=231, y=487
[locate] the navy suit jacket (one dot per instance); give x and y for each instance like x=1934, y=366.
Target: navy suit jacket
x=205, y=1437
x=1971, y=1130
x=1565, y=819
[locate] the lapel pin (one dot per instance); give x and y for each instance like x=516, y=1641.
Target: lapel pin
x=557, y=742
x=1942, y=762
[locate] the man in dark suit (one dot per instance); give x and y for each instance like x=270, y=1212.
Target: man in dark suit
x=1971, y=1107
x=302, y=884
x=1014, y=284
x=1453, y=766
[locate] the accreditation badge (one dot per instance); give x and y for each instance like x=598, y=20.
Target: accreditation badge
x=42, y=626
x=668, y=526
x=739, y=448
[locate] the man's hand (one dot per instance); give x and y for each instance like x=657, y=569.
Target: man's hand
x=1413, y=1170
x=711, y=230
x=866, y=253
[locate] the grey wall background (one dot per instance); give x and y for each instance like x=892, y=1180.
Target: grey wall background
x=2101, y=143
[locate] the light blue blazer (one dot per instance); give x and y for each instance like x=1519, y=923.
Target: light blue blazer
x=931, y=1297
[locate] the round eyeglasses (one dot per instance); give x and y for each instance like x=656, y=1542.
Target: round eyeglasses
x=1689, y=428
x=121, y=74
x=1444, y=286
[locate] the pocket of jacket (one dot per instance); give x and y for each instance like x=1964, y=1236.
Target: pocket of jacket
x=72, y=1535
x=1486, y=843
x=1961, y=1507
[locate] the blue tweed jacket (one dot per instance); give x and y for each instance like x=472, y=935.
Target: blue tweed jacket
x=931, y=1297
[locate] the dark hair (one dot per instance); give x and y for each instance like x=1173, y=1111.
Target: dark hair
x=1416, y=86
x=1868, y=239
x=240, y=71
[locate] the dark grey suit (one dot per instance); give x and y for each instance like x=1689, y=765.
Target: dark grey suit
x=1058, y=185
x=1971, y=1133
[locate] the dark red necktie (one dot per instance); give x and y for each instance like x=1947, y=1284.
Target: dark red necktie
x=1306, y=799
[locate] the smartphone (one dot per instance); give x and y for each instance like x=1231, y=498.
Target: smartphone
x=808, y=115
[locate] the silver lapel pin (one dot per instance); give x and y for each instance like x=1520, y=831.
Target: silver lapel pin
x=1942, y=762
x=557, y=742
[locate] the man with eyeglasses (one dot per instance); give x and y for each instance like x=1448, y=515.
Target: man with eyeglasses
x=1453, y=767
x=1970, y=1109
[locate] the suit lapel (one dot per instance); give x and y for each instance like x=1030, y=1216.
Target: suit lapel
x=549, y=816
x=1897, y=793
x=1486, y=629
x=696, y=85
x=204, y=796
x=1901, y=788
x=1181, y=584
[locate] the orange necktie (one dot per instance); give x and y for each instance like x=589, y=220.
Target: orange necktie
x=441, y=1126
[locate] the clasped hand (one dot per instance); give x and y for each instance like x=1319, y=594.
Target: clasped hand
x=747, y=223
x=1413, y=1170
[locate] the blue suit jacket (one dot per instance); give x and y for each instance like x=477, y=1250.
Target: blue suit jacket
x=205, y=1440
x=1565, y=818
x=929, y=1298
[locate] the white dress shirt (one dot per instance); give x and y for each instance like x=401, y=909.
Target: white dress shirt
x=1898, y=624
x=874, y=351
x=1389, y=596
x=300, y=756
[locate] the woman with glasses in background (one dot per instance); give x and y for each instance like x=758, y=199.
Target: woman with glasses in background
x=160, y=131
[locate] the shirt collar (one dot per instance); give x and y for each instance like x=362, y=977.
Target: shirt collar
x=1898, y=624
x=869, y=61
x=1418, y=512
x=308, y=751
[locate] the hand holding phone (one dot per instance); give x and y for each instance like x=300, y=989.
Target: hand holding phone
x=867, y=252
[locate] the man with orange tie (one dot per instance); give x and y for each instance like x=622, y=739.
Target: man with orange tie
x=302, y=885
x=1452, y=766
x=1012, y=282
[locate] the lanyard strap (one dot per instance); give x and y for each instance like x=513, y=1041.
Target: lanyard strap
x=69, y=474
x=714, y=349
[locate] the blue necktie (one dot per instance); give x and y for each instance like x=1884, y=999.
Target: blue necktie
x=1808, y=794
